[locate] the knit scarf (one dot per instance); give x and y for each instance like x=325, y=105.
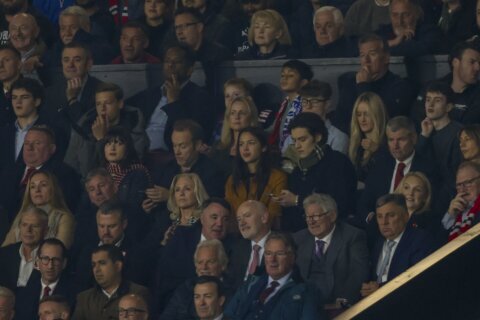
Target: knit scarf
x=118, y=173
x=461, y=225
x=120, y=15
x=311, y=160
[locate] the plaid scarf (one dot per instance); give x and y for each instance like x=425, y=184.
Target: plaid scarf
x=463, y=224
x=118, y=173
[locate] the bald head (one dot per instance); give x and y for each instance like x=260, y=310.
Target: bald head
x=252, y=217
x=134, y=304
x=24, y=31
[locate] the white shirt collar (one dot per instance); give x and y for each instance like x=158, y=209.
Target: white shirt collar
x=408, y=161
x=262, y=241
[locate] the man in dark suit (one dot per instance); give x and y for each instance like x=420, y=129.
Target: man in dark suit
x=332, y=255
x=387, y=174
x=48, y=280
x=401, y=245
x=178, y=98
x=209, y=298
x=69, y=98
x=39, y=149
x=18, y=259
x=247, y=254
x=10, y=63
x=187, y=140
x=279, y=294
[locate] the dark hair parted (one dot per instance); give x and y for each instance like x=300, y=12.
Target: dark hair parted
x=195, y=13
x=442, y=88
x=114, y=253
x=196, y=130
x=396, y=198
x=134, y=24
x=119, y=134
x=241, y=174
x=313, y=123
x=220, y=201
x=78, y=45
x=30, y=85
x=303, y=69
x=46, y=130
x=112, y=206
x=316, y=88
x=212, y=279
x=458, y=49
x=372, y=37
x=53, y=242
x=110, y=87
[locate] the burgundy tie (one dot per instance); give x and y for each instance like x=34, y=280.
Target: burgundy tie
x=46, y=291
x=28, y=174
x=255, y=260
x=399, y=174
x=267, y=292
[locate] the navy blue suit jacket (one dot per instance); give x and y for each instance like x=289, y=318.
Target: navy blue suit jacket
x=238, y=262
x=414, y=245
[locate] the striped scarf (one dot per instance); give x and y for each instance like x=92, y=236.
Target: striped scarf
x=118, y=173
x=462, y=224
x=119, y=11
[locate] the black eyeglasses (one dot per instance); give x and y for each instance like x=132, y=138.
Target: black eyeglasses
x=312, y=101
x=130, y=312
x=45, y=260
x=466, y=183
x=182, y=27
x=315, y=217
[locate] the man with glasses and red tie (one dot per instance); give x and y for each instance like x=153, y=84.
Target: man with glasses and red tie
x=280, y=294
x=49, y=280
x=332, y=255
x=463, y=212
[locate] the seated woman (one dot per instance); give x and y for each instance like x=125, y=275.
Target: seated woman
x=185, y=201
x=131, y=178
x=470, y=142
x=253, y=177
x=268, y=36
x=319, y=169
x=367, y=133
x=44, y=192
x=241, y=113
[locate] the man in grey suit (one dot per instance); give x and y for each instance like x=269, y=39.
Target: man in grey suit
x=332, y=255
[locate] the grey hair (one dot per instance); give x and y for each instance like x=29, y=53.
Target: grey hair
x=337, y=14
x=401, y=122
x=38, y=211
x=7, y=293
x=217, y=245
x=325, y=201
x=80, y=13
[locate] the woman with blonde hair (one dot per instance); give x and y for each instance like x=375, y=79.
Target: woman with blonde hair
x=240, y=114
x=367, y=133
x=185, y=203
x=44, y=192
x=268, y=36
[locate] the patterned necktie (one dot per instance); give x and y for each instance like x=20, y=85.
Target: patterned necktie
x=319, y=245
x=46, y=291
x=399, y=174
x=268, y=291
x=255, y=260
x=385, y=262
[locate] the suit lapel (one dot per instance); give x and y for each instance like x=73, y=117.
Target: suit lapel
x=305, y=255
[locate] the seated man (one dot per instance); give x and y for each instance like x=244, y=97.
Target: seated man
x=209, y=298
x=366, y=16
x=400, y=246
x=247, y=253
x=101, y=301
x=210, y=260
x=7, y=303
x=54, y=307
x=374, y=75
x=332, y=255
x=178, y=98
x=133, y=42
x=74, y=26
x=463, y=211
x=92, y=127
x=50, y=279
x=135, y=305
x=279, y=294
x=408, y=35
x=187, y=140
x=330, y=39
x=10, y=66
x=18, y=259
x=39, y=151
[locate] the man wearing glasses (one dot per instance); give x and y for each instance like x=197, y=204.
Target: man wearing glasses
x=132, y=307
x=47, y=281
x=332, y=255
x=280, y=294
x=463, y=212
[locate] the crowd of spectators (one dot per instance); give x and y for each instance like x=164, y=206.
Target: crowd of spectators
x=182, y=202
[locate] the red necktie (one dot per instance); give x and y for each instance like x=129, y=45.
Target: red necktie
x=399, y=174
x=46, y=291
x=255, y=260
x=267, y=292
x=28, y=174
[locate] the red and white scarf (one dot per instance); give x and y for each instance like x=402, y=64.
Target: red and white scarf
x=462, y=223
